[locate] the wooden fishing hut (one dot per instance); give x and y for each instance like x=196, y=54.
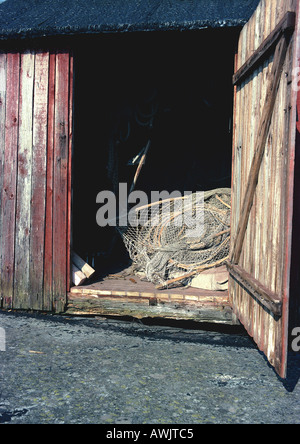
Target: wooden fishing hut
x=225, y=75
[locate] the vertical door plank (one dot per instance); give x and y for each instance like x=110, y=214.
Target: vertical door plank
x=9, y=178
x=60, y=176
x=288, y=190
x=48, y=253
x=70, y=157
x=2, y=144
x=23, y=212
x=38, y=193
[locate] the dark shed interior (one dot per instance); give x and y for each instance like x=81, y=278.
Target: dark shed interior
x=172, y=88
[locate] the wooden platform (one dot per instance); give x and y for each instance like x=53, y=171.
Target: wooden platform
x=129, y=296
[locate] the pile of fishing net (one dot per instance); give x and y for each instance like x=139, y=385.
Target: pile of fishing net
x=175, y=239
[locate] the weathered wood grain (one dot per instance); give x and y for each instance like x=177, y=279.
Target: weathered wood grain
x=263, y=295
x=256, y=57
x=133, y=286
x=116, y=298
x=8, y=205
x=264, y=252
x=60, y=180
x=38, y=191
x=263, y=132
x=78, y=277
x=35, y=116
x=24, y=183
x=48, y=250
x=70, y=163
x=83, y=266
x=2, y=146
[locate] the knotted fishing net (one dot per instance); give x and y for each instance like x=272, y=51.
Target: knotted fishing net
x=172, y=240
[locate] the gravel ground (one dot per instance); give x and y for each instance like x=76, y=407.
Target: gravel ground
x=66, y=370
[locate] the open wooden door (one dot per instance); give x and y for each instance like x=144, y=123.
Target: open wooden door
x=263, y=175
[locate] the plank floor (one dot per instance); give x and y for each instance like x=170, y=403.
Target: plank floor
x=132, y=285
x=126, y=294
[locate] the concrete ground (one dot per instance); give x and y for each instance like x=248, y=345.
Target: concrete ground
x=59, y=369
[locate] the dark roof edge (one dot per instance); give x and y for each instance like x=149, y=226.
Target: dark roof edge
x=120, y=28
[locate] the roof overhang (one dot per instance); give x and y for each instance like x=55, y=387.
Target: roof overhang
x=32, y=19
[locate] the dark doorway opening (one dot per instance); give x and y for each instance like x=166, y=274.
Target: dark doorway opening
x=172, y=88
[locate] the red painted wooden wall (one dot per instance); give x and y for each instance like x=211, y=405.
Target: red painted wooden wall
x=36, y=90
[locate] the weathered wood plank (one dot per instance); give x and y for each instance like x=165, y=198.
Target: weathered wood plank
x=243, y=159
x=8, y=207
x=48, y=251
x=213, y=299
x=2, y=144
x=133, y=285
x=38, y=191
x=256, y=59
x=289, y=153
x=70, y=162
x=247, y=159
x=249, y=265
x=268, y=299
x=24, y=181
x=261, y=321
x=60, y=180
x=135, y=307
x=78, y=277
x=265, y=179
x=294, y=320
x=82, y=265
